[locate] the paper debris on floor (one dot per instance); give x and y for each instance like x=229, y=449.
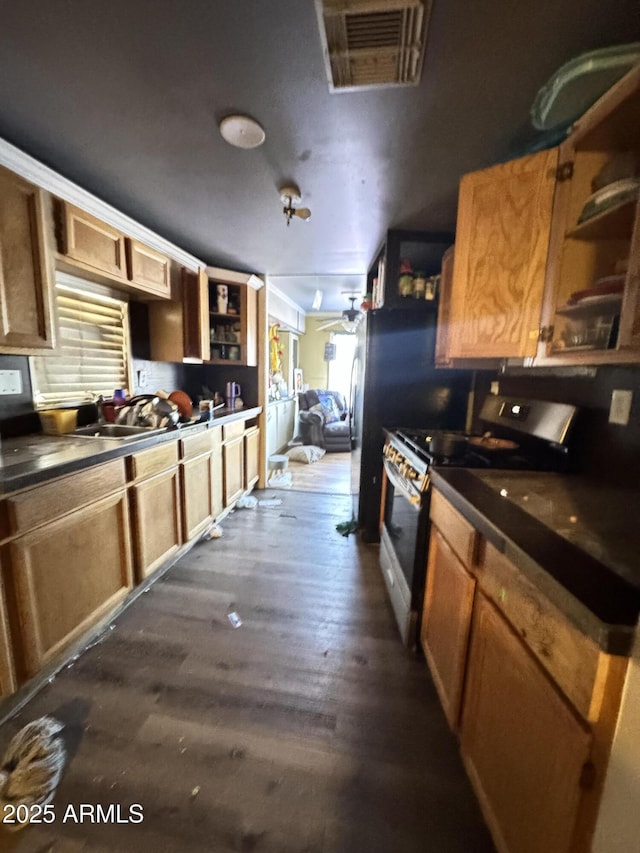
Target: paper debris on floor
x=347, y=527
x=280, y=480
x=247, y=502
x=270, y=502
x=235, y=620
x=214, y=531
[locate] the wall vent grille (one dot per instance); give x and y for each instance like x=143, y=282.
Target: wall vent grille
x=373, y=43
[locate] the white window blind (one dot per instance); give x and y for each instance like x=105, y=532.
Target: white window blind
x=92, y=350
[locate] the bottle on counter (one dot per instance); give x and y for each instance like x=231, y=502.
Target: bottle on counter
x=405, y=282
x=419, y=285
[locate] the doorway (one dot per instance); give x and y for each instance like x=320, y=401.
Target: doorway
x=340, y=366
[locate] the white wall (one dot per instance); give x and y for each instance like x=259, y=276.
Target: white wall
x=618, y=827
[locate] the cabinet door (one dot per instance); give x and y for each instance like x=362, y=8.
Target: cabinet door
x=444, y=309
x=217, y=482
x=196, y=495
x=148, y=269
x=251, y=457
x=25, y=276
x=446, y=621
x=504, y=218
x=68, y=574
x=233, y=456
x=250, y=327
x=7, y=673
x=94, y=243
x=156, y=521
x=195, y=314
x=522, y=744
x=272, y=428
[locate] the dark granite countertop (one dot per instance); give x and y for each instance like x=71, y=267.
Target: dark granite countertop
x=33, y=459
x=576, y=539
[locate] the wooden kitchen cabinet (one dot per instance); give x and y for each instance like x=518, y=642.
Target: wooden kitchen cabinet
x=26, y=272
x=591, y=313
x=8, y=681
x=233, y=463
x=234, y=333
x=502, y=239
x=446, y=622
x=524, y=747
x=535, y=276
x=179, y=328
x=535, y=699
x=155, y=507
x=89, y=241
x=66, y=575
x=217, y=473
x=196, y=483
x=251, y=457
x=147, y=269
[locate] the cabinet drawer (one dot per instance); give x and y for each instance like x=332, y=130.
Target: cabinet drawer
x=233, y=430
x=150, y=462
x=195, y=445
x=460, y=535
x=148, y=269
x=570, y=657
x=38, y=506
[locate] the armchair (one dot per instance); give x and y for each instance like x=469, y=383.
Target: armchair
x=324, y=420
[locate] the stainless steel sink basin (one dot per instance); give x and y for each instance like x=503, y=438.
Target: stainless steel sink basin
x=117, y=432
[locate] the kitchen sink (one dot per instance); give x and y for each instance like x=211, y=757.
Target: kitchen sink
x=117, y=432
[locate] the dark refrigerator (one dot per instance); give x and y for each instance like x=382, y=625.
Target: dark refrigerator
x=395, y=383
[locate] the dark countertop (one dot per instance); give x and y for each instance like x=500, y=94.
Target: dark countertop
x=33, y=459
x=577, y=540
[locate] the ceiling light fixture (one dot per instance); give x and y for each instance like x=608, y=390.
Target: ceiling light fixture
x=290, y=195
x=242, y=131
x=317, y=300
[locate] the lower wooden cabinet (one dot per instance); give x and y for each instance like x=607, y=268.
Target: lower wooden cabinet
x=233, y=458
x=157, y=530
x=196, y=489
x=217, y=482
x=446, y=622
x=7, y=670
x=251, y=457
x=68, y=574
x=525, y=749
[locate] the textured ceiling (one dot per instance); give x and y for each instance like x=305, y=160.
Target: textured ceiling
x=124, y=97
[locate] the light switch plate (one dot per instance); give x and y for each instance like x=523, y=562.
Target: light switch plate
x=495, y=387
x=10, y=382
x=620, y=408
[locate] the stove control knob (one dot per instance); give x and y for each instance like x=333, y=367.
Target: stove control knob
x=411, y=474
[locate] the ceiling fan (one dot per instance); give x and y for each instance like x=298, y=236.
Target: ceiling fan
x=350, y=318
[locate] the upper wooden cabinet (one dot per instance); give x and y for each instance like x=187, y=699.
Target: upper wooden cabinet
x=102, y=252
x=148, y=268
x=234, y=330
x=25, y=268
x=89, y=241
x=591, y=312
x=504, y=220
x=547, y=261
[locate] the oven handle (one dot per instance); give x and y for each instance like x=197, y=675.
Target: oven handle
x=398, y=482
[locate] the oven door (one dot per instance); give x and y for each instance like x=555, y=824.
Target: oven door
x=402, y=520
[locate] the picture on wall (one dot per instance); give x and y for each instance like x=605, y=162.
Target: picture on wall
x=298, y=383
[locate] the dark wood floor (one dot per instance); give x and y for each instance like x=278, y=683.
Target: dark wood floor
x=308, y=728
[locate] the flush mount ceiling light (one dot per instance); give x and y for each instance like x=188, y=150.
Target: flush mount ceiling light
x=242, y=131
x=290, y=195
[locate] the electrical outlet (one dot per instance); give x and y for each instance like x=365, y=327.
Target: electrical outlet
x=495, y=388
x=10, y=382
x=620, y=408
x=143, y=378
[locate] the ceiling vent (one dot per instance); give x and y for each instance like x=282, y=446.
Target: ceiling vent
x=373, y=43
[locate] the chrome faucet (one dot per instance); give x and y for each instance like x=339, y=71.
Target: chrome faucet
x=100, y=408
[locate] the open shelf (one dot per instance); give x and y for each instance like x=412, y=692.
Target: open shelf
x=615, y=223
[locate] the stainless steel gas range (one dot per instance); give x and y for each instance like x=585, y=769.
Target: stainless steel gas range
x=518, y=434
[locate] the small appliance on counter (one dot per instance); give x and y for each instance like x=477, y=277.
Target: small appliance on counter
x=232, y=393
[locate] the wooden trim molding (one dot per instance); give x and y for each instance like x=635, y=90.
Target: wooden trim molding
x=40, y=175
